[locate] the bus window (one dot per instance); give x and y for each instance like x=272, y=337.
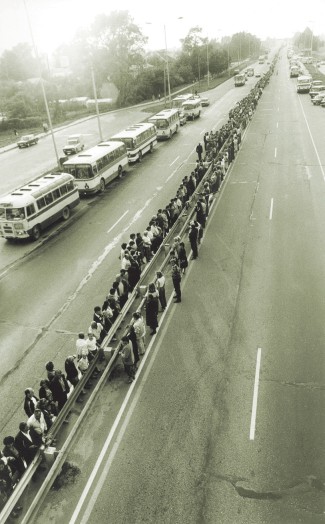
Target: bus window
x=56, y=194
x=48, y=199
x=2, y=212
x=83, y=172
x=40, y=203
x=63, y=190
x=30, y=210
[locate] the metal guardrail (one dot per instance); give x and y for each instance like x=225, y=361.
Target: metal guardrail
x=179, y=228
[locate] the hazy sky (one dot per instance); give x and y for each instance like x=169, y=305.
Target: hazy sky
x=55, y=21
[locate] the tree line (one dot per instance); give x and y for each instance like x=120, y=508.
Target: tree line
x=113, y=48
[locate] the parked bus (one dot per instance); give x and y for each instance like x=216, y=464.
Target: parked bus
x=26, y=211
x=240, y=80
x=178, y=100
x=192, y=108
x=167, y=122
x=94, y=168
x=138, y=139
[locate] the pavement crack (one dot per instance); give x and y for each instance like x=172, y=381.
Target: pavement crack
x=303, y=385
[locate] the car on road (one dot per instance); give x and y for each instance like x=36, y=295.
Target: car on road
x=257, y=74
x=74, y=145
x=27, y=140
x=205, y=101
x=316, y=90
x=182, y=117
x=317, y=100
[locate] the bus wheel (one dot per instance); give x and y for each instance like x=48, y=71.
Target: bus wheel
x=151, y=147
x=102, y=185
x=120, y=171
x=140, y=156
x=66, y=213
x=36, y=232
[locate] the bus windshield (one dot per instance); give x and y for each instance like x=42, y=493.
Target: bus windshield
x=161, y=124
x=80, y=171
x=12, y=213
x=129, y=142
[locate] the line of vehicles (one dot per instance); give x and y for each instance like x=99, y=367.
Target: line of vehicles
x=26, y=211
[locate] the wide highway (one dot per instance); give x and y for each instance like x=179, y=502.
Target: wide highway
x=49, y=288
x=225, y=422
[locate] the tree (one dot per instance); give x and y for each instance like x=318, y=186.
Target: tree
x=18, y=63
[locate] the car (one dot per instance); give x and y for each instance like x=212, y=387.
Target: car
x=182, y=117
x=257, y=74
x=315, y=83
x=27, y=140
x=316, y=90
x=74, y=145
x=205, y=101
x=317, y=100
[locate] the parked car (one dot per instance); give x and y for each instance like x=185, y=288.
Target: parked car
x=317, y=100
x=182, y=117
x=316, y=90
x=27, y=140
x=257, y=74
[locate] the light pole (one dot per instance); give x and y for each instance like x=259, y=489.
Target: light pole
x=167, y=62
x=42, y=84
x=167, y=69
x=208, y=71
x=96, y=100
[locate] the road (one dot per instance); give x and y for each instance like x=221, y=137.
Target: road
x=225, y=422
x=49, y=289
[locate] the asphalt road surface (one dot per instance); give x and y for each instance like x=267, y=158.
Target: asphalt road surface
x=49, y=288
x=225, y=422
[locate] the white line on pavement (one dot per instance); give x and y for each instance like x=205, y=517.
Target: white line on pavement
x=119, y=220
x=312, y=140
x=271, y=209
x=277, y=124
x=255, y=394
x=170, y=165
x=275, y=152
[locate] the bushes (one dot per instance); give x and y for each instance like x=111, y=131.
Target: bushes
x=21, y=123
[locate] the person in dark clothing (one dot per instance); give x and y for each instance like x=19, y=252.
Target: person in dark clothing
x=193, y=238
x=71, y=370
x=152, y=313
x=176, y=278
x=60, y=388
x=15, y=460
x=199, y=150
x=30, y=402
x=24, y=443
x=133, y=338
x=183, y=263
x=134, y=273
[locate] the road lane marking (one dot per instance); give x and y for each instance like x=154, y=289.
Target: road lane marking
x=128, y=411
x=271, y=209
x=119, y=220
x=255, y=394
x=277, y=124
x=275, y=152
x=170, y=165
x=312, y=140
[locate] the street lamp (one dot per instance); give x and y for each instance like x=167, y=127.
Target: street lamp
x=167, y=61
x=42, y=84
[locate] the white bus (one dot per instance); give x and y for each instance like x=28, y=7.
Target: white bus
x=94, y=168
x=167, y=123
x=26, y=211
x=240, y=79
x=192, y=108
x=178, y=100
x=138, y=139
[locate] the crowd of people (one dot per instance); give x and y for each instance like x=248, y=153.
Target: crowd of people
x=41, y=409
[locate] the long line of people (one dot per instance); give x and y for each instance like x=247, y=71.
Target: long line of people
x=34, y=433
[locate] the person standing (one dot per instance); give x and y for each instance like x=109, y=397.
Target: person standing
x=60, y=388
x=177, y=277
x=139, y=328
x=193, y=238
x=24, y=443
x=161, y=281
x=152, y=313
x=182, y=257
x=125, y=350
x=30, y=402
x=199, y=150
